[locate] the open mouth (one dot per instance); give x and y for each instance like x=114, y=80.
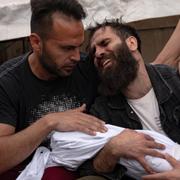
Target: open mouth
x=105, y=64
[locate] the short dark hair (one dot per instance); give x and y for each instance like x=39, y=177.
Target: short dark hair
x=121, y=29
x=42, y=11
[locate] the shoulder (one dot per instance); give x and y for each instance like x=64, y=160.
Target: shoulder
x=165, y=70
x=170, y=76
x=11, y=66
x=11, y=73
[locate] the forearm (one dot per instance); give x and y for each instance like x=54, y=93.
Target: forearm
x=14, y=148
x=106, y=160
x=17, y=147
x=171, y=51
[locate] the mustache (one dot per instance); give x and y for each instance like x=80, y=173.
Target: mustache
x=108, y=56
x=104, y=57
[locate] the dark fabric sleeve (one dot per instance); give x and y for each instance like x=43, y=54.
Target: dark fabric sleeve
x=8, y=112
x=87, y=168
x=88, y=72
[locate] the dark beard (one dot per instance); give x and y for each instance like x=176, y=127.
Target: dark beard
x=47, y=63
x=46, y=66
x=120, y=74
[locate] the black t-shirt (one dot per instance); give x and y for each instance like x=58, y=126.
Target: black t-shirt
x=24, y=98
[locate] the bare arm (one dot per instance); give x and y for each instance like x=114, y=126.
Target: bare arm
x=15, y=147
x=170, y=54
x=128, y=144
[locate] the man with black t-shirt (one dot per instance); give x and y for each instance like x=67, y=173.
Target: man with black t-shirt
x=46, y=90
x=38, y=90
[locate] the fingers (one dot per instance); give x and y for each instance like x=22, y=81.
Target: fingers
x=76, y=120
x=171, y=160
x=90, y=129
x=88, y=124
x=92, y=126
x=151, y=149
x=155, y=153
x=159, y=146
x=147, y=168
x=87, y=131
x=153, y=144
x=83, y=122
x=82, y=108
x=89, y=118
x=148, y=137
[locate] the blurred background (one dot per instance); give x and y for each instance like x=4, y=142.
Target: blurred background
x=155, y=21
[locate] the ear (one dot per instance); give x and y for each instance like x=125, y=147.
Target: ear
x=35, y=41
x=132, y=43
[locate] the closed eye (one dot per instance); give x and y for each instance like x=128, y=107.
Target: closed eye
x=104, y=43
x=68, y=48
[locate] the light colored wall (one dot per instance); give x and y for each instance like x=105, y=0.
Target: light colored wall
x=154, y=34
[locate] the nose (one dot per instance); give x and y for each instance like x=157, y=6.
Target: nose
x=76, y=54
x=99, y=53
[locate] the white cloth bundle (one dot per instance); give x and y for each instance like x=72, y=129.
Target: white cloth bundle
x=71, y=149
x=35, y=169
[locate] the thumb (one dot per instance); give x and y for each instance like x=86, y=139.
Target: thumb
x=82, y=108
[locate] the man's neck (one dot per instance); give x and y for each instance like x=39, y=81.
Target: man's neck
x=140, y=86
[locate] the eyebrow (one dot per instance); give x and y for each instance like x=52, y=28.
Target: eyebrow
x=100, y=42
x=70, y=46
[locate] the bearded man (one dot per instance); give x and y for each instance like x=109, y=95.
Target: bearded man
x=133, y=95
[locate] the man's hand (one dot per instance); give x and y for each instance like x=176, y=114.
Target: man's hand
x=76, y=120
x=168, y=175
x=128, y=144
